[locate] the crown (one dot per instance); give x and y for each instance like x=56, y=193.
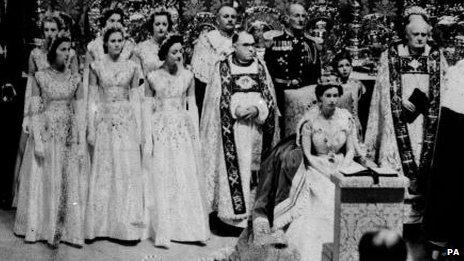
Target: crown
x=416, y=10
x=115, y=26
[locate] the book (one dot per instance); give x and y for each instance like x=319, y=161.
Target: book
x=420, y=100
x=385, y=172
x=357, y=170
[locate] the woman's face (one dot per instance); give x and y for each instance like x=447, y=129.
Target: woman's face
x=344, y=68
x=115, y=43
x=50, y=30
x=329, y=99
x=114, y=18
x=62, y=54
x=160, y=26
x=175, y=54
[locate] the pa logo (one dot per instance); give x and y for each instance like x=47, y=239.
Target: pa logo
x=452, y=252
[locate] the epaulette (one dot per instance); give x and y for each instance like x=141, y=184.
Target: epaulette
x=309, y=37
x=272, y=34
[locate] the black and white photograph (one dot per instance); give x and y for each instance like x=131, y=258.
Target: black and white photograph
x=219, y=130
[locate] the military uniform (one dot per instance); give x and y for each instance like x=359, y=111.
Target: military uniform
x=293, y=62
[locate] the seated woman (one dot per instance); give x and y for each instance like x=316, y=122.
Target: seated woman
x=294, y=209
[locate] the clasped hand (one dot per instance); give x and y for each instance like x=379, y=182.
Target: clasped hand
x=246, y=113
x=408, y=105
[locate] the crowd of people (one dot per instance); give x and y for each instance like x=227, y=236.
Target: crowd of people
x=141, y=145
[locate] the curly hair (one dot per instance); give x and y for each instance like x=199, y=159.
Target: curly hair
x=108, y=13
x=151, y=21
x=51, y=55
x=166, y=45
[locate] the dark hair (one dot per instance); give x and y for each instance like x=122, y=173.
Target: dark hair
x=370, y=250
x=106, y=36
x=340, y=57
x=166, y=45
x=51, y=55
x=108, y=13
x=321, y=88
x=151, y=21
x=52, y=19
x=68, y=21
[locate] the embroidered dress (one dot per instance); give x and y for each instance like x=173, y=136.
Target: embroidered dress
x=295, y=202
x=177, y=209
x=95, y=52
x=49, y=202
x=392, y=140
x=315, y=204
x=37, y=61
x=147, y=54
x=116, y=191
x=95, y=49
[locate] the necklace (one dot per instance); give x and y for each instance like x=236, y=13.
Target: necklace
x=58, y=73
x=328, y=133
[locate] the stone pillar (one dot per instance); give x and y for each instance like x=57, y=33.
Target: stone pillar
x=362, y=206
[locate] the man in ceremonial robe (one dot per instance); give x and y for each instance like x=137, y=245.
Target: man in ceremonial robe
x=403, y=118
x=212, y=47
x=240, y=113
x=294, y=64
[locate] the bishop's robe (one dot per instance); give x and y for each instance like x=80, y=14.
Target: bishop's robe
x=397, y=138
x=229, y=144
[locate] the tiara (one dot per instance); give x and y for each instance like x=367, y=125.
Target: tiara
x=262, y=15
x=49, y=14
x=165, y=6
x=204, y=18
x=169, y=36
x=329, y=79
x=416, y=10
x=115, y=26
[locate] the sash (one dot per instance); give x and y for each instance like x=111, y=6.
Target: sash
x=410, y=168
x=228, y=139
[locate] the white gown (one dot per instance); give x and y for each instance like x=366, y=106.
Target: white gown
x=177, y=210
x=115, y=197
x=315, y=206
x=49, y=197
